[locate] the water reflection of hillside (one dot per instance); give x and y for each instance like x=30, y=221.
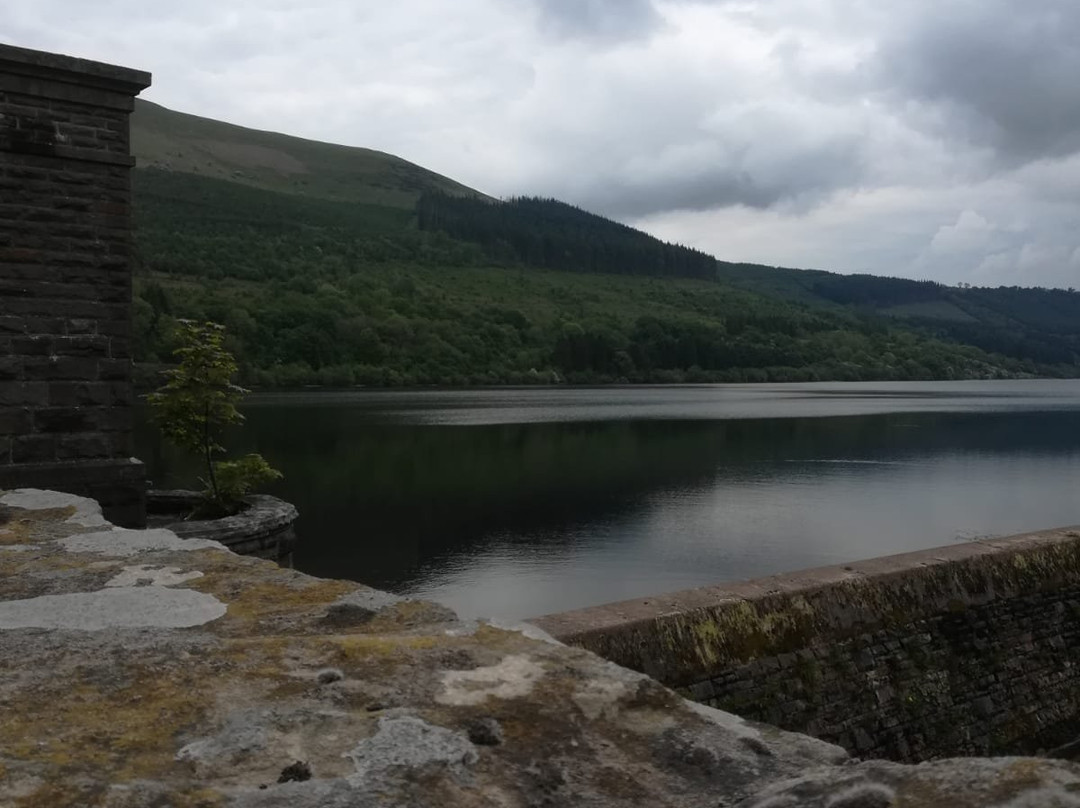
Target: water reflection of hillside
x=378, y=501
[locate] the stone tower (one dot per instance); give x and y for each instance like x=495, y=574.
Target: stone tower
x=65, y=279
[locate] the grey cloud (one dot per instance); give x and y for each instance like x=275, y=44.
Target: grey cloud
x=1006, y=71
x=845, y=134
x=764, y=180
x=599, y=19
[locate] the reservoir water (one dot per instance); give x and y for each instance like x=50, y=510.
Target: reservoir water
x=520, y=502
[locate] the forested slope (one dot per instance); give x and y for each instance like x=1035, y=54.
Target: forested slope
x=1040, y=325
x=380, y=276
x=550, y=234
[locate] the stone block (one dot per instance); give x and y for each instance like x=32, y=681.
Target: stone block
x=121, y=444
x=113, y=419
x=702, y=691
x=67, y=419
x=33, y=448
x=61, y=368
x=83, y=345
x=76, y=394
x=23, y=394
x=114, y=369
x=82, y=447
x=10, y=368
x=32, y=346
x=15, y=420
x=77, y=326
x=121, y=394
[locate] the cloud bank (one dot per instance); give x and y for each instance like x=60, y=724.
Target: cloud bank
x=918, y=139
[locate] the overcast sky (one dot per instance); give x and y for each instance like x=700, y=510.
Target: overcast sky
x=924, y=138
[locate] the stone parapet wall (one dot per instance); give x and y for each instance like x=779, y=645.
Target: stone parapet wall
x=965, y=649
x=65, y=274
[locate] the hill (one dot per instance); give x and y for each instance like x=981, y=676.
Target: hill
x=328, y=267
x=187, y=144
x=550, y=234
x=1041, y=325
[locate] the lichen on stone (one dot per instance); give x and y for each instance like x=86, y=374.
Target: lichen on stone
x=397, y=704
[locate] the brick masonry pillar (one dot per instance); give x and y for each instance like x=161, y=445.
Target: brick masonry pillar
x=65, y=279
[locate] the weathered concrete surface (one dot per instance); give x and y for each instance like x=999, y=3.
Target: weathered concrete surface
x=267, y=688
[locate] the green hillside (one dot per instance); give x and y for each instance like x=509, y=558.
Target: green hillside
x=1040, y=325
x=187, y=144
x=327, y=268
x=549, y=234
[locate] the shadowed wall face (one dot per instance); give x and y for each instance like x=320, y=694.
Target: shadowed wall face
x=65, y=279
x=968, y=649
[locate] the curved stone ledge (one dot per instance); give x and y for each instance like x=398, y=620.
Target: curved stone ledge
x=264, y=528
x=138, y=669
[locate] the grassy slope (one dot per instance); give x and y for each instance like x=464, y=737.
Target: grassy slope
x=177, y=142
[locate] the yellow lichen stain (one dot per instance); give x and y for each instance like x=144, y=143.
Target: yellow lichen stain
x=127, y=731
x=404, y=614
x=503, y=639
x=54, y=796
x=732, y=631
x=708, y=635
x=256, y=657
x=253, y=601
x=367, y=647
x=738, y=631
x=1024, y=772
x=14, y=564
x=200, y=798
x=24, y=526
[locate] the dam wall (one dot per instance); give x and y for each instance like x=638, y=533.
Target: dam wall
x=968, y=649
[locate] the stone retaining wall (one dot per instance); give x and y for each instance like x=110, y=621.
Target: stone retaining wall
x=965, y=649
x=65, y=278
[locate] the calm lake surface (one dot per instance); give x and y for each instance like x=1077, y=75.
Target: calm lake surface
x=519, y=502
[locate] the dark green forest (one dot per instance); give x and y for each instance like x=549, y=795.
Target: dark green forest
x=337, y=293
x=549, y=234
x=1039, y=325
x=332, y=265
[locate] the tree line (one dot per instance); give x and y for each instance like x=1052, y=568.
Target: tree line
x=325, y=293
x=554, y=235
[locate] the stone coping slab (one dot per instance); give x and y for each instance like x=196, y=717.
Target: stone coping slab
x=139, y=669
x=72, y=69
x=678, y=637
